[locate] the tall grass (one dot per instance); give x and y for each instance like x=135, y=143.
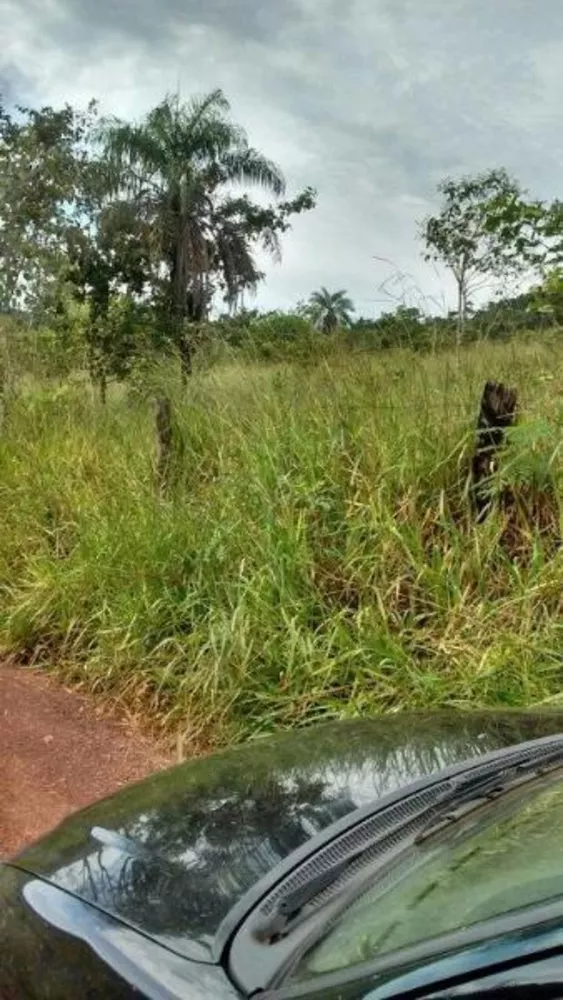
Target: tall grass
x=314, y=557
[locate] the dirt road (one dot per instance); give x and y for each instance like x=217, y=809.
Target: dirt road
x=57, y=754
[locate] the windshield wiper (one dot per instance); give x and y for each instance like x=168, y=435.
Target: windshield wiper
x=291, y=905
x=466, y=793
x=461, y=796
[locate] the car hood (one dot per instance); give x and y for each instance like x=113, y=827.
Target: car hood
x=171, y=855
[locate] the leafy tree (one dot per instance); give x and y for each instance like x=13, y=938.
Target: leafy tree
x=175, y=170
x=330, y=310
x=59, y=238
x=109, y=270
x=239, y=226
x=549, y=239
x=49, y=183
x=484, y=229
x=546, y=300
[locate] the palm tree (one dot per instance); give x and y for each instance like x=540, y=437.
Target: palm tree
x=175, y=166
x=330, y=310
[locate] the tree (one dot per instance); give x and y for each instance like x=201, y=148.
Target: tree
x=109, y=269
x=549, y=238
x=176, y=170
x=49, y=182
x=485, y=229
x=330, y=310
x=60, y=239
x=238, y=226
x=546, y=300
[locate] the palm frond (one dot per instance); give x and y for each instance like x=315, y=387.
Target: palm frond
x=133, y=155
x=248, y=166
x=199, y=107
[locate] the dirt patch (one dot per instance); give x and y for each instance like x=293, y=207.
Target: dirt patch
x=57, y=754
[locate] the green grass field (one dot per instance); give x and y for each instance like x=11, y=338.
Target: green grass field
x=314, y=557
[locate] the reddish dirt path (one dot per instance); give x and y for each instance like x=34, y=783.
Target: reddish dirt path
x=57, y=755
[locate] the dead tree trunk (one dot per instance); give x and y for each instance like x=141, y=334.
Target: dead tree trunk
x=498, y=411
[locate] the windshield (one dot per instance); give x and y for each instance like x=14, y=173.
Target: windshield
x=485, y=870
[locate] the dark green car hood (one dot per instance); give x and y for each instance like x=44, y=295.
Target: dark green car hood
x=172, y=854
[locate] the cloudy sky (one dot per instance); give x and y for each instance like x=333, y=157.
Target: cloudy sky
x=370, y=101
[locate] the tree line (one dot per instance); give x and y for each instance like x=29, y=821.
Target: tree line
x=141, y=217
x=134, y=230
x=487, y=230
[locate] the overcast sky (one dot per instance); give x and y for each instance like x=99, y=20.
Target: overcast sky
x=370, y=101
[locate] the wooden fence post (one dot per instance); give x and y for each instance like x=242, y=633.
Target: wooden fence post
x=164, y=441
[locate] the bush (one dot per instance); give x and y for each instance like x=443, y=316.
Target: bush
x=274, y=336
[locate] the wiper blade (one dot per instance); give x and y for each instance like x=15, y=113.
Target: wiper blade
x=291, y=905
x=467, y=792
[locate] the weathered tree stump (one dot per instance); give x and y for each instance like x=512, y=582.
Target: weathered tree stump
x=497, y=412
x=528, y=510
